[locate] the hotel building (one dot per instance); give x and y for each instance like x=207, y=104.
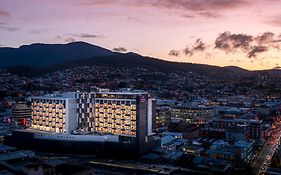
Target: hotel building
x=120, y=121
x=54, y=113
x=126, y=114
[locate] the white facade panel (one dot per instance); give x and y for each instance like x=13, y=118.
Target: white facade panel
x=69, y=137
x=149, y=117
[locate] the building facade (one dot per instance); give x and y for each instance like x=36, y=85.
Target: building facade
x=54, y=113
x=122, y=118
x=85, y=111
x=252, y=128
x=21, y=113
x=196, y=114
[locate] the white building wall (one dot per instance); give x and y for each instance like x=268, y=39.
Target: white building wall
x=69, y=137
x=149, y=117
x=71, y=115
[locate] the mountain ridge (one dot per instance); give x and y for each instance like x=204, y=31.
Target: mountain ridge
x=51, y=57
x=39, y=54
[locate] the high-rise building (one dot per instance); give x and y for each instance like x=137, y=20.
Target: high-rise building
x=128, y=114
x=125, y=118
x=54, y=113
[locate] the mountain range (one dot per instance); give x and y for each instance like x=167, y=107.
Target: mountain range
x=42, y=58
x=49, y=54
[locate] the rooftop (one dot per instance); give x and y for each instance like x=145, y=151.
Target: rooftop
x=67, y=95
x=242, y=143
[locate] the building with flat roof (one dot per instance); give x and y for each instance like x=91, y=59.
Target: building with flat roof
x=21, y=113
x=54, y=114
x=197, y=114
x=121, y=118
x=254, y=126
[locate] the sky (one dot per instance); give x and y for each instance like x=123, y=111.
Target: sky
x=244, y=33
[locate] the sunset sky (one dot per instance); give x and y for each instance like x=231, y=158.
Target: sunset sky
x=245, y=33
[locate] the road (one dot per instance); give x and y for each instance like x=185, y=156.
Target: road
x=152, y=168
x=263, y=159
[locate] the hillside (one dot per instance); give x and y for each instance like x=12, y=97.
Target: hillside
x=49, y=54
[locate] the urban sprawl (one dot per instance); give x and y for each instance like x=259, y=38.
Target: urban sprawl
x=105, y=120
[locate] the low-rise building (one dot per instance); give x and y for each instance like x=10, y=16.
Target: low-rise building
x=196, y=114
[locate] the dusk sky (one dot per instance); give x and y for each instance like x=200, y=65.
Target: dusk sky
x=245, y=33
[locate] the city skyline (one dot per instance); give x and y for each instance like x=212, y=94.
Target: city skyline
x=152, y=87
x=218, y=32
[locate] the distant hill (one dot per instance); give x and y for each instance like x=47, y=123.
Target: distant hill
x=135, y=60
x=34, y=59
x=129, y=60
x=236, y=69
x=49, y=54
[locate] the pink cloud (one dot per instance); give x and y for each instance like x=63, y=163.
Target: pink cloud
x=4, y=13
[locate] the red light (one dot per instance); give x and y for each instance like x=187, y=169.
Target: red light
x=24, y=121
